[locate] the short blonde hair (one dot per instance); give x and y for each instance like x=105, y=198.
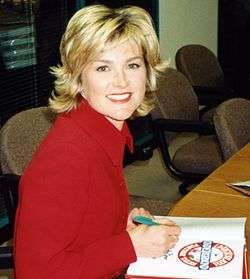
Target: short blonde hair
x=92, y=30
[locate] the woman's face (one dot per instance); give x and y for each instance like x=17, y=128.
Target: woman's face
x=114, y=84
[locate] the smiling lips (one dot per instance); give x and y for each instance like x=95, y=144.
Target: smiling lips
x=119, y=98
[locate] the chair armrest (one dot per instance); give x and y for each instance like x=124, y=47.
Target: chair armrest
x=9, y=188
x=213, y=96
x=212, y=90
x=6, y=257
x=171, y=125
x=176, y=125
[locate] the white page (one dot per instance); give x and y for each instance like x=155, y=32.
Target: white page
x=242, y=183
x=226, y=258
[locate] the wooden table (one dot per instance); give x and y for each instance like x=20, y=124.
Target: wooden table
x=212, y=198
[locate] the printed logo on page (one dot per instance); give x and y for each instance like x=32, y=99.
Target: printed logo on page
x=206, y=254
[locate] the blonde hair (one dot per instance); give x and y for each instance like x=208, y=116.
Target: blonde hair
x=92, y=30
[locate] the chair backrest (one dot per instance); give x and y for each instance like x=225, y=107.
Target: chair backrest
x=199, y=65
x=232, y=124
x=175, y=98
x=20, y=137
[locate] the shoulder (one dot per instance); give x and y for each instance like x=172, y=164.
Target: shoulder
x=64, y=144
x=66, y=134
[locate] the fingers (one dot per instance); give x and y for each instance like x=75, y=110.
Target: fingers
x=141, y=211
x=174, y=230
x=173, y=239
x=153, y=241
x=167, y=235
x=166, y=222
x=170, y=242
x=171, y=227
x=130, y=226
x=136, y=212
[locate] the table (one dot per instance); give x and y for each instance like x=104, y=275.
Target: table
x=212, y=198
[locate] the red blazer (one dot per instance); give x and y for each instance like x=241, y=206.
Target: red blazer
x=72, y=215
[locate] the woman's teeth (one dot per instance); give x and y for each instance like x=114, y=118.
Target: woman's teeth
x=119, y=97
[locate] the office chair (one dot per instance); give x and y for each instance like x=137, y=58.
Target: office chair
x=202, y=68
x=20, y=137
x=9, y=190
x=177, y=110
x=232, y=124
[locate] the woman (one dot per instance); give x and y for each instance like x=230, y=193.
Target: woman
x=72, y=220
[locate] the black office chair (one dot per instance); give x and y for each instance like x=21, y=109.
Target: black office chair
x=9, y=190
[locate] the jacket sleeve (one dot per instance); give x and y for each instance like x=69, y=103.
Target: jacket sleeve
x=47, y=222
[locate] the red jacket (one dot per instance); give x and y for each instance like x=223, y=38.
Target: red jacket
x=73, y=209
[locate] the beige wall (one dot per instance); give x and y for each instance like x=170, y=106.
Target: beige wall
x=184, y=22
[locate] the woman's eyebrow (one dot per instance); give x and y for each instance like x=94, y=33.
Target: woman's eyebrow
x=134, y=58
x=102, y=61
x=111, y=61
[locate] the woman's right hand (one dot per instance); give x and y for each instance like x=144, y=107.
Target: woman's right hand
x=154, y=241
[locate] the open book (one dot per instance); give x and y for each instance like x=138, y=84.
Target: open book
x=207, y=248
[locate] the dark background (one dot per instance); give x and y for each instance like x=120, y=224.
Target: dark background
x=32, y=85
x=234, y=43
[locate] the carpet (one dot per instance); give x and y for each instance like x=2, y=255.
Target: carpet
x=154, y=206
x=150, y=179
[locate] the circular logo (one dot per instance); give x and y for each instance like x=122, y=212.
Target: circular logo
x=206, y=254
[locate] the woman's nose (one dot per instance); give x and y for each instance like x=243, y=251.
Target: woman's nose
x=120, y=79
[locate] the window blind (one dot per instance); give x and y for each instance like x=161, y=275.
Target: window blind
x=30, y=33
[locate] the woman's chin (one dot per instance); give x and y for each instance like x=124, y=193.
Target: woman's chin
x=122, y=115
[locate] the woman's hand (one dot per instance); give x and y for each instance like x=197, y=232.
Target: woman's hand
x=154, y=241
x=135, y=212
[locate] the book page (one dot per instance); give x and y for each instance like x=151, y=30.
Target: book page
x=242, y=183
x=207, y=248
x=217, y=228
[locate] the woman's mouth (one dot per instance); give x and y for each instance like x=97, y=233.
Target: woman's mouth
x=119, y=98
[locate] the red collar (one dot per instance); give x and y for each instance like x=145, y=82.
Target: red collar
x=103, y=131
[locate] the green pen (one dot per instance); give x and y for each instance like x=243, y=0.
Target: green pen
x=144, y=220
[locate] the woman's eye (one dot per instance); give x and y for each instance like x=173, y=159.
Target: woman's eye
x=133, y=66
x=102, y=69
